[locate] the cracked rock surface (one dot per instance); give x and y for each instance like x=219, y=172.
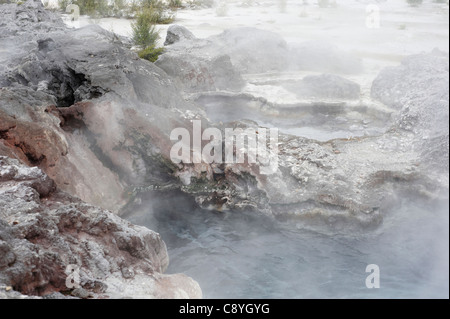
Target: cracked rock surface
x=43, y=231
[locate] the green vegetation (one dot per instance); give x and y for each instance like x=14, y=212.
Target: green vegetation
x=151, y=53
x=175, y=4
x=163, y=13
x=145, y=34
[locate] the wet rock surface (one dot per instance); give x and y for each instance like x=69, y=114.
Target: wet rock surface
x=72, y=97
x=341, y=183
x=44, y=231
x=52, y=79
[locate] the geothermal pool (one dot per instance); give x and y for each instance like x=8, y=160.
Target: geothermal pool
x=247, y=255
x=250, y=255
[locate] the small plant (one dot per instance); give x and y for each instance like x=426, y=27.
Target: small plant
x=151, y=53
x=145, y=35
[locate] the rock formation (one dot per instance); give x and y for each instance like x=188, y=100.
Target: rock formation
x=342, y=183
x=81, y=116
x=44, y=231
x=52, y=80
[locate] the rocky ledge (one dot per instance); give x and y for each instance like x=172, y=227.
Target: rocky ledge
x=342, y=184
x=52, y=163
x=45, y=234
x=81, y=116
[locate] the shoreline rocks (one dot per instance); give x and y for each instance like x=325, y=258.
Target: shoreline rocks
x=44, y=230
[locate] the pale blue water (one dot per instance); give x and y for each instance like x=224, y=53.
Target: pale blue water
x=247, y=255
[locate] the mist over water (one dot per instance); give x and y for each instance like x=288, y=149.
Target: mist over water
x=248, y=255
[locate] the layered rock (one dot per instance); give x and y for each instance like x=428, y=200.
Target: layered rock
x=44, y=232
x=196, y=70
x=177, y=33
x=52, y=80
x=325, y=87
x=217, y=63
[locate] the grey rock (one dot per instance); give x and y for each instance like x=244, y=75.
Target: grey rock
x=57, y=295
x=201, y=65
x=201, y=74
x=252, y=50
x=177, y=33
x=80, y=293
x=26, y=18
x=348, y=184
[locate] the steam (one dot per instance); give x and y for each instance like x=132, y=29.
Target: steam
x=243, y=255
x=249, y=255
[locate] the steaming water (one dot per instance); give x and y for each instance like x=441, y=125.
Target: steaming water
x=247, y=255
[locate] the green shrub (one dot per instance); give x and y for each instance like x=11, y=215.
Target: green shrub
x=144, y=32
x=120, y=8
x=151, y=53
x=414, y=2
